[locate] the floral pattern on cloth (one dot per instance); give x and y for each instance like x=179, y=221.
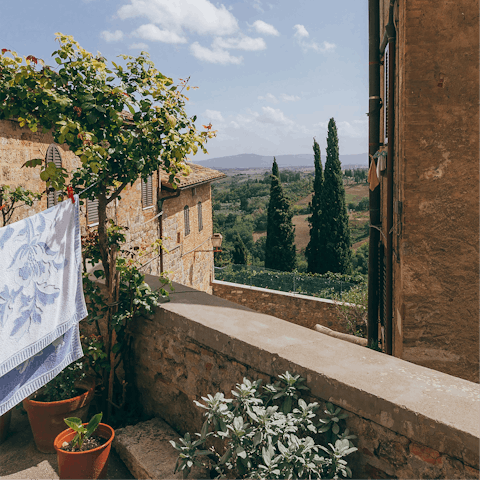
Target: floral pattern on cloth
x=41, y=294
x=32, y=265
x=39, y=369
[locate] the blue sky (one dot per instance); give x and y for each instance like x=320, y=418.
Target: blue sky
x=270, y=73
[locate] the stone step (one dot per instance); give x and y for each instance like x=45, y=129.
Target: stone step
x=146, y=450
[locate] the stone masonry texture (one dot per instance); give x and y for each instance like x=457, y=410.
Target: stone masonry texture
x=436, y=184
x=298, y=309
x=411, y=422
x=17, y=145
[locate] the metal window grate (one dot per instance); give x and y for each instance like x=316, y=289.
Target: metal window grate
x=53, y=155
x=200, y=217
x=186, y=217
x=147, y=192
x=92, y=212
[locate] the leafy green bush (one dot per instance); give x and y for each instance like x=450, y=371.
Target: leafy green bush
x=273, y=434
x=354, y=315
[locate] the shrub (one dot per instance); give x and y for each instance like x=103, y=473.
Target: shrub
x=354, y=315
x=274, y=434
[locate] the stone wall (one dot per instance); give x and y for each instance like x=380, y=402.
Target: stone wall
x=411, y=422
x=436, y=185
x=299, y=309
x=17, y=145
x=190, y=258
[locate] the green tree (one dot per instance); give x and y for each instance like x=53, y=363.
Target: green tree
x=280, y=243
x=334, y=249
x=239, y=254
x=312, y=252
x=123, y=122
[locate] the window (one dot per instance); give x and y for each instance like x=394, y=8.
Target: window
x=53, y=155
x=186, y=216
x=147, y=192
x=92, y=212
x=200, y=218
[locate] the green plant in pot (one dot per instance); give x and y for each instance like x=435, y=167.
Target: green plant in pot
x=267, y=432
x=69, y=393
x=83, y=449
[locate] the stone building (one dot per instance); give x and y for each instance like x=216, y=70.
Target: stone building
x=138, y=209
x=424, y=132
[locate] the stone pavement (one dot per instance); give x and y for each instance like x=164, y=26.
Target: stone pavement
x=20, y=459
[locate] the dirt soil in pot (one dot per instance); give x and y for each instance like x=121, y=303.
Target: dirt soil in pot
x=88, y=444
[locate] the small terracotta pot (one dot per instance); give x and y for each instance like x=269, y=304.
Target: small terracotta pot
x=46, y=418
x=4, y=425
x=89, y=464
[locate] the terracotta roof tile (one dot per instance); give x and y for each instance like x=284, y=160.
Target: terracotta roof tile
x=198, y=175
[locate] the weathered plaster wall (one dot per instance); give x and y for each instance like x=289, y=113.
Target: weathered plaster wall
x=436, y=177
x=190, y=257
x=298, y=309
x=412, y=422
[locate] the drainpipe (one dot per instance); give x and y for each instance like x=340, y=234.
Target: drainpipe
x=373, y=145
x=390, y=35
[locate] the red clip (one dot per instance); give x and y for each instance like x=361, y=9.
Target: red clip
x=70, y=193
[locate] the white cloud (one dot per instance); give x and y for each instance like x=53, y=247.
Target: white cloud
x=196, y=16
x=301, y=31
x=269, y=98
x=324, y=47
x=214, y=115
x=301, y=34
x=274, y=116
x=115, y=36
x=213, y=55
x=138, y=46
x=289, y=98
x=241, y=43
x=265, y=28
x=153, y=33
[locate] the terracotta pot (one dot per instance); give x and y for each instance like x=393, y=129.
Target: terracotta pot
x=46, y=418
x=89, y=464
x=4, y=425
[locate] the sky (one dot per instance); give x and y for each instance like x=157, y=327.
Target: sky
x=270, y=73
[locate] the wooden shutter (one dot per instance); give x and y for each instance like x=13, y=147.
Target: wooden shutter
x=92, y=212
x=147, y=192
x=186, y=217
x=386, y=92
x=200, y=218
x=53, y=155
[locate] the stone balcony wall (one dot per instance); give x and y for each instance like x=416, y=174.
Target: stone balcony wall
x=411, y=422
x=300, y=309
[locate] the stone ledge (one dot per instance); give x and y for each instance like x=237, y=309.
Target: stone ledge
x=146, y=450
x=429, y=407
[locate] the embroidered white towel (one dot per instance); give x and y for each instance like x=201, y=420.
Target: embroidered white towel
x=41, y=294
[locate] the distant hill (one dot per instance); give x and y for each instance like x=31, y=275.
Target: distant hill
x=251, y=160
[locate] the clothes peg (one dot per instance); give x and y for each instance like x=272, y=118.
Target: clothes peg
x=70, y=193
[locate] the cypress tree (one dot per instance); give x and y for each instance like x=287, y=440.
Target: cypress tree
x=240, y=254
x=280, y=245
x=312, y=250
x=334, y=249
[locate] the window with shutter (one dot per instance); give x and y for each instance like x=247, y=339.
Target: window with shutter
x=147, y=192
x=200, y=218
x=186, y=217
x=53, y=155
x=92, y=212
x=386, y=74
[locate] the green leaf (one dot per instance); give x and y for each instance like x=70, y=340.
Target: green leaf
x=93, y=424
x=58, y=60
x=74, y=423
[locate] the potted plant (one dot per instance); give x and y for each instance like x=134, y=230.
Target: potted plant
x=79, y=453
x=68, y=394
